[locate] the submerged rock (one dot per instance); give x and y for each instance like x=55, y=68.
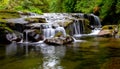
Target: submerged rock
x=59, y=40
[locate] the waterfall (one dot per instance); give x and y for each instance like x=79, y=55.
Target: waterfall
x=97, y=22
x=77, y=28
x=48, y=31
x=26, y=36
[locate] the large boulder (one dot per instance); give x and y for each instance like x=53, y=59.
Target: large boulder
x=59, y=40
x=108, y=30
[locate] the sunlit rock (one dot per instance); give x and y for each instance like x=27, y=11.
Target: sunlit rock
x=108, y=31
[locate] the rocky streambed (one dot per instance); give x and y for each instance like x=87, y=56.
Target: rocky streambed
x=52, y=28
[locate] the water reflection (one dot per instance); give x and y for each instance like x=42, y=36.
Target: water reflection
x=11, y=49
x=52, y=56
x=94, y=53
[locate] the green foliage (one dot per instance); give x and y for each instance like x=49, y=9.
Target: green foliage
x=3, y=28
x=6, y=14
x=29, y=5
x=118, y=7
x=69, y=5
x=107, y=8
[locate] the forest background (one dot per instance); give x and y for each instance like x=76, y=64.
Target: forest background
x=107, y=10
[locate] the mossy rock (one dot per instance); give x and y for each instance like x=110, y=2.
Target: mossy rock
x=110, y=27
x=108, y=30
x=86, y=24
x=8, y=14
x=4, y=27
x=66, y=23
x=36, y=20
x=58, y=34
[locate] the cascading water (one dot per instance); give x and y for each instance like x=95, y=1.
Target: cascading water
x=53, y=19
x=96, y=21
x=55, y=23
x=48, y=31
x=78, y=27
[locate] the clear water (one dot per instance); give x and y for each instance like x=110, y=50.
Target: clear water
x=92, y=53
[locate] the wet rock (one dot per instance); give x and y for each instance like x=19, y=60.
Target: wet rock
x=108, y=31
x=36, y=20
x=16, y=26
x=24, y=13
x=7, y=36
x=59, y=40
x=14, y=37
x=118, y=33
x=65, y=23
x=32, y=35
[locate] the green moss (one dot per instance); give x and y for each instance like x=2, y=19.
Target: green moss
x=36, y=20
x=86, y=23
x=4, y=28
x=58, y=34
x=7, y=14
x=106, y=27
x=67, y=23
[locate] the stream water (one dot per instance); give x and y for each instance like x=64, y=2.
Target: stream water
x=89, y=53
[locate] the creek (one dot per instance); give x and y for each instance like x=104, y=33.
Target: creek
x=86, y=52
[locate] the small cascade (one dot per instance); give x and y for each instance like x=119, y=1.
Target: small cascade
x=55, y=24
x=48, y=31
x=95, y=31
x=77, y=27
x=97, y=23
x=26, y=32
x=26, y=36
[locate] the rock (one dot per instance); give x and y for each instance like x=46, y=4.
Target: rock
x=66, y=22
x=36, y=20
x=32, y=35
x=14, y=37
x=7, y=36
x=108, y=30
x=107, y=33
x=59, y=40
x=24, y=13
x=16, y=26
